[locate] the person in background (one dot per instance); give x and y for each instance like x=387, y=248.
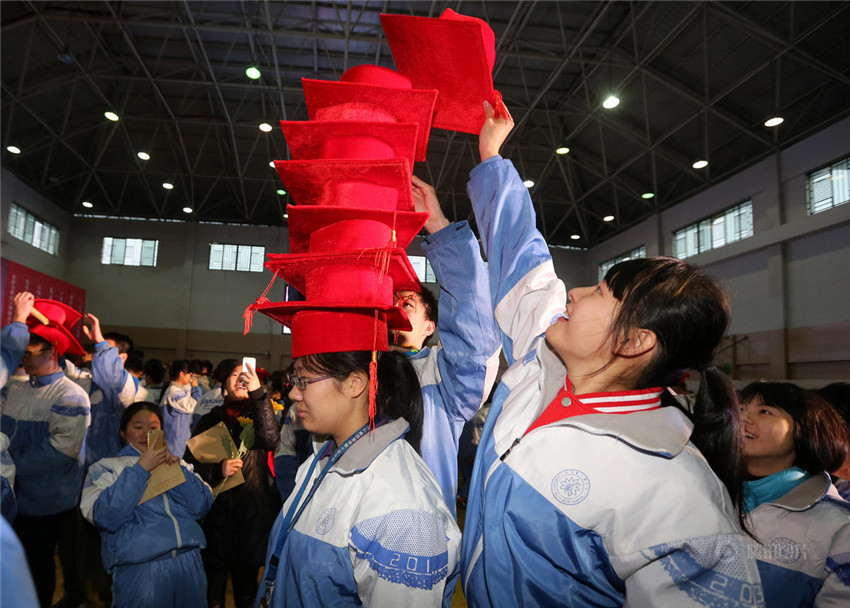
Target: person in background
x=178, y=404
x=838, y=394
x=213, y=397
x=237, y=527
x=797, y=517
x=46, y=421
x=152, y=549
x=153, y=379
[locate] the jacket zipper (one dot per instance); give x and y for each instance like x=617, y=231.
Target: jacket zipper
x=173, y=520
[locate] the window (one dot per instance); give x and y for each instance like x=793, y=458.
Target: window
x=38, y=233
x=244, y=258
x=732, y=225
x=129, y=252
x=423, y=268
x=828, y=187
x=604, y=267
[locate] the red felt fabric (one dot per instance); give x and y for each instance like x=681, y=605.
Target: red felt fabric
x=62, y=317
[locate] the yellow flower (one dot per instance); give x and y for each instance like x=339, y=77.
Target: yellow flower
x=278, y=407
x=244, y=420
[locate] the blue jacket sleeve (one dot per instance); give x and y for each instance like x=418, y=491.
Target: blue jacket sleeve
x=524, y=290
x=108, y=373
x=114, y=498
x=13, y=344
x=469, y=358
x=194, y=494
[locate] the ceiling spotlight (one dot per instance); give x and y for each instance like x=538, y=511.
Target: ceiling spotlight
x=187, y=210
x=144, y=155
x=168, y=186
x=575, y=237
x=87, y=205
x=608, y=218
x=253, y=72
x=528, y=183
x=271, y=164
x=111, y=116
x=700, y=164
x=648, y=195
x=562, y=150
x=265, y=127
x=13, y=149
x=281, y=192
x=611, y=102
x=774, y=122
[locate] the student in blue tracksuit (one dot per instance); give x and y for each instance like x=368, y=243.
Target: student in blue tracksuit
x=590, y=487
x=153, y=549
x=178, y=405
x=366, y=523
x=800, y=522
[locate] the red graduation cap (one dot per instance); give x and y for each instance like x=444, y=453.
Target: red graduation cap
x=368, y=184
x=454, y=54
x=371, y=93
x=356, y=140
x=307, y=220
x=61, y=318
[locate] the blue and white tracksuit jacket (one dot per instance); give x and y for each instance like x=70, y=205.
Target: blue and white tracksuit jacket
x=46, y=420
x=804, y=546
x=14, y=339
x=209, y=400
x=596, y=510
x=178, y=405
x=456, y=375
x=111, y=389
x=377, y=531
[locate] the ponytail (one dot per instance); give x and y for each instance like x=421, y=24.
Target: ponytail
x=719, y=433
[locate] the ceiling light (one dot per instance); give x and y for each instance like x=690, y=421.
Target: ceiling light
x=253, y=72
x=87, y=205
x=265, y=127
x=111, y=116
x=281, y=192
x=168, y=186
x=187, y=210
x=528, y=183
x=774, y=122
x=608, y=218
x=575, y=237
x=271, y=164
x=144, y=155
x=611, y=102
x=648, y=195
x=700, y=164
x=13, y=149
x=562, y=150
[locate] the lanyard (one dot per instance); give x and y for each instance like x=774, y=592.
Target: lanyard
x=295, y=511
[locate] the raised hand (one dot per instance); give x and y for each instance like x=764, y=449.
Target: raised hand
x=91, y=327
x=23, y=305
x=425, y=200
x=494, y=131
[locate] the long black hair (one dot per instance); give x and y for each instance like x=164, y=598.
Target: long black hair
x=399, y=393
x=820, y=435
x=689, y=313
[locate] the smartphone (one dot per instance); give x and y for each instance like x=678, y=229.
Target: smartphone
x=156, y=440
x=249, y=362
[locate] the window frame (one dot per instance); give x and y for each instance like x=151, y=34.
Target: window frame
x=134, y=252
x=236, y=257
x=733, y=224
x=32, y=230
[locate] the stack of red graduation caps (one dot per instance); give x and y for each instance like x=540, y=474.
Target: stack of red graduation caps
x=350, y=180
x=60, y=319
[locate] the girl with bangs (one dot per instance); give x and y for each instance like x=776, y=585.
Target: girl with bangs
x=800, y=521
x=592, y=487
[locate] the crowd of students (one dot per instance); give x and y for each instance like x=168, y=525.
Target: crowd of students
x=594, y=483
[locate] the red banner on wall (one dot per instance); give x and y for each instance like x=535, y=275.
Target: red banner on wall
x=15, y=277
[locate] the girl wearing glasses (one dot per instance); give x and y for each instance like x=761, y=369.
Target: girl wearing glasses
x=591, y=488
x=237, y=527
x=366, y=523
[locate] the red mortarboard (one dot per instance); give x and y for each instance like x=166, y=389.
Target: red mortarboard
x=371, y=93
x=368, y=184
x=329, y=331
x=454, y=54
x=61, y=317
x=355, y=140
x=307, y=220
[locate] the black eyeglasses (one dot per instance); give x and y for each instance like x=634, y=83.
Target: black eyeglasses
x=301, y=382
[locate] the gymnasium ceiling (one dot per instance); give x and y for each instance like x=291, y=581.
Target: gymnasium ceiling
x=696, y=81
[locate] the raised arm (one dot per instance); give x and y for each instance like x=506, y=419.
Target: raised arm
x=525, y=292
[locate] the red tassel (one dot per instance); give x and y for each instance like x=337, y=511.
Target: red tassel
x=248, y=315
x=373, y=390
x=499, y=107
